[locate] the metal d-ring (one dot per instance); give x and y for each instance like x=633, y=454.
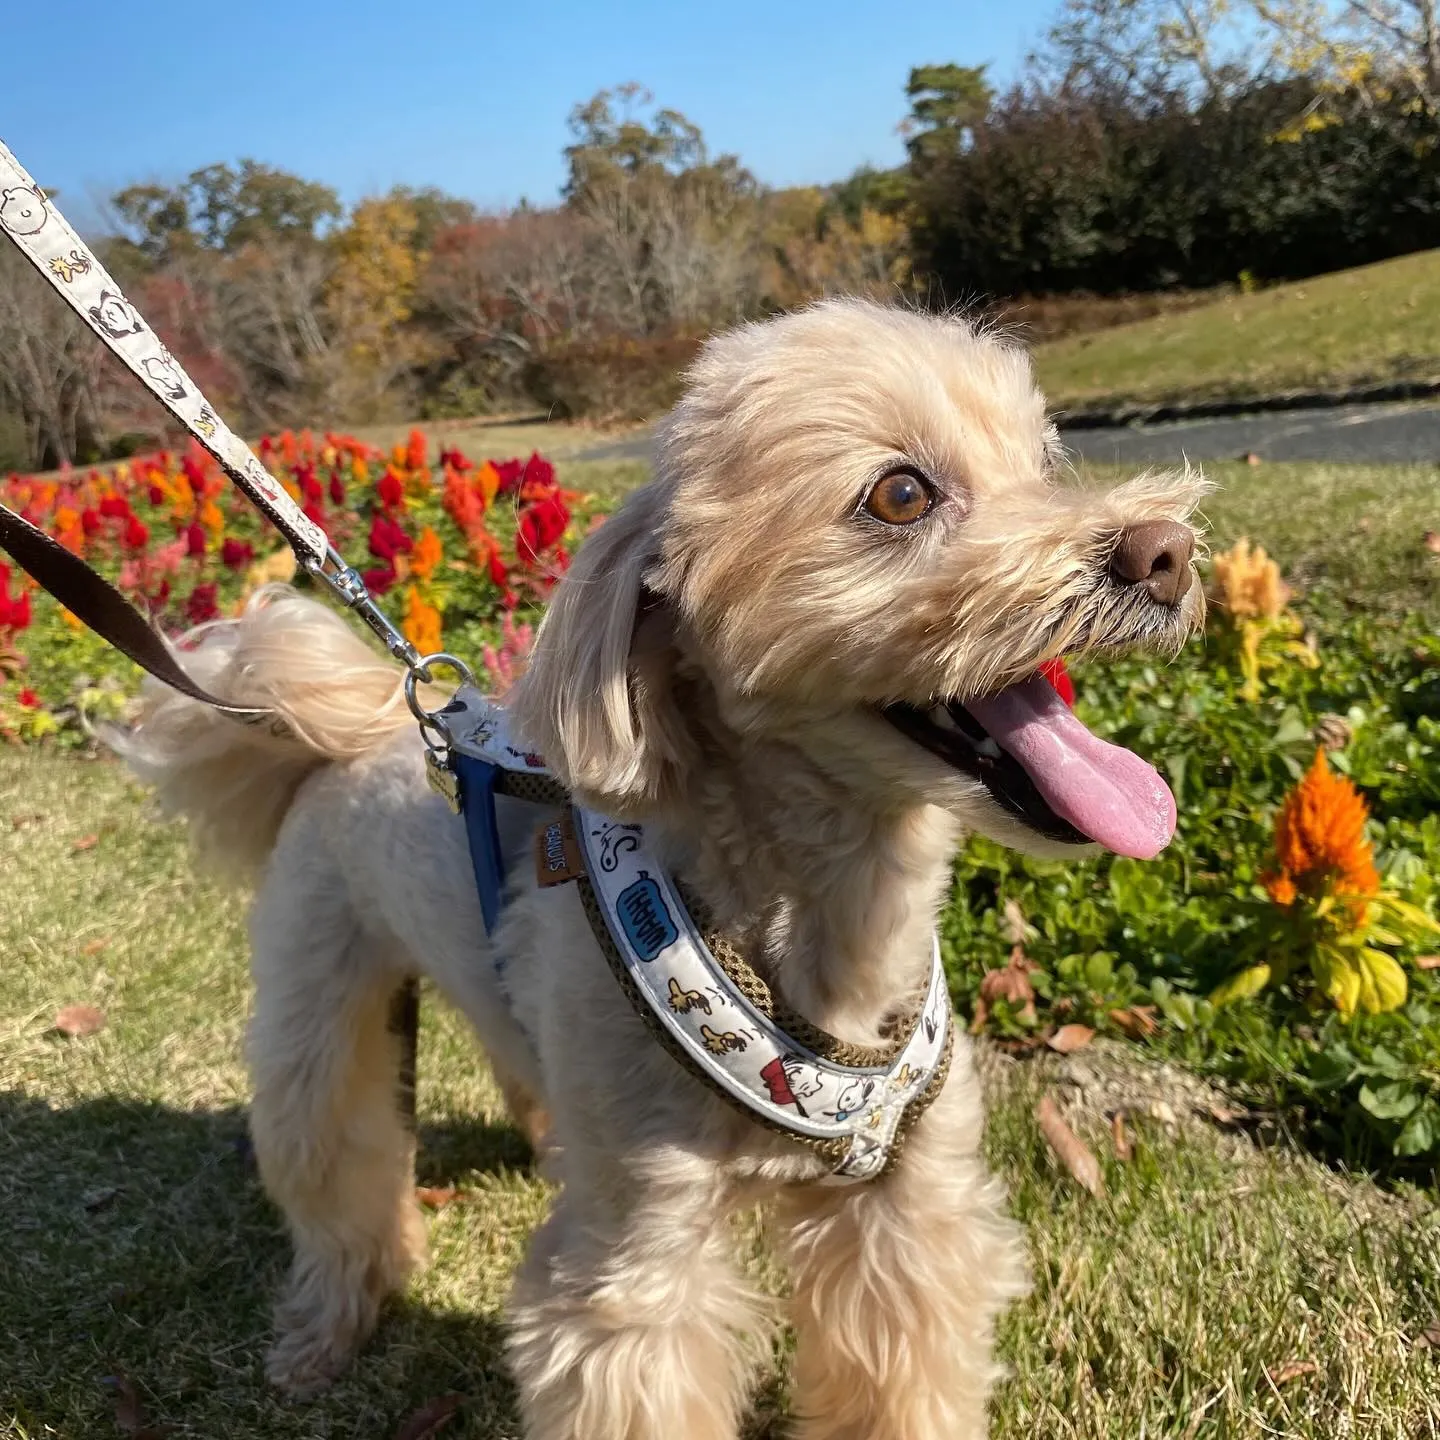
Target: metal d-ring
x=420, y=674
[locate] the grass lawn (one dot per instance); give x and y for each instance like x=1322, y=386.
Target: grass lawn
x=1217, y=1289
x=1378, y=322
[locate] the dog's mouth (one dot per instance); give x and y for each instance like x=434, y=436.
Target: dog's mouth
x=1043, y=766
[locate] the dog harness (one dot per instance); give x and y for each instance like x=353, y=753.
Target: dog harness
x=691, y=986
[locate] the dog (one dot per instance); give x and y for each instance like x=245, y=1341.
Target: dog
x=805, y=655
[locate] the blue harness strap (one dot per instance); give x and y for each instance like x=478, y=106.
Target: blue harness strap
x=477, y=805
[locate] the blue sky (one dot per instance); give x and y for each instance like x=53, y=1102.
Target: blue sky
x=469, y=96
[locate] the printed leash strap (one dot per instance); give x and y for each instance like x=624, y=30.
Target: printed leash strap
x=46, y=239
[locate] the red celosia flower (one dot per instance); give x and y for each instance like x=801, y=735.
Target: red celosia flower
x=157, y=495
x=27, y=699
x=337, y=489
x=194, y=472
x=115, y=507
x=455, y=460
x=378, y=581
x=14, y=614
x=310, y=489
x=510, y=473
x=194, y=534
x=387, y=539
x=90, y=520
x=1056, y=673
x=315, y=513
x=137, y=534
x=391, y=490
x=201, y=606
x=236, y=553
x=537, y=472
x=541, y=525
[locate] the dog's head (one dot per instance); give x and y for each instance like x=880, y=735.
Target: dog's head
x=859, y=537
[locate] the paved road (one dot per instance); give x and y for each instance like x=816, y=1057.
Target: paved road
x=1373, y=433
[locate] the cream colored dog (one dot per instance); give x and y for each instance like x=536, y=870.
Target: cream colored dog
x=806, y=656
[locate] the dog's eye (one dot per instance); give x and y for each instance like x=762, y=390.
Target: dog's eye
x=900, y=498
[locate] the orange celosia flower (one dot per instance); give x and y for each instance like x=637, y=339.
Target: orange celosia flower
x=487, y=481
x=415, y=456
x=428, y=553
x=1320, y=841
x=422, y=623
x=213, y=519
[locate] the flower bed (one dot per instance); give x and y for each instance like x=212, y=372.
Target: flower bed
x=460, y=552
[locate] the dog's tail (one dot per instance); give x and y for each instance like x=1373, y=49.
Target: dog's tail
x=233, y=781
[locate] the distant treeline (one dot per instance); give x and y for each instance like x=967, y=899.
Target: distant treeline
x=1151, y=145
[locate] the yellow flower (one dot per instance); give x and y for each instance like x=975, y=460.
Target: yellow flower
x=1250, y=583
x=422, y=623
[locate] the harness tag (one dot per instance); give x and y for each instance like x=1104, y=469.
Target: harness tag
x=443, y=780
x=557, y=853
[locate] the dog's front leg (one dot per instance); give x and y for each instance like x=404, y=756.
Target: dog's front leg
x=628, y=1320
x=897, y=1285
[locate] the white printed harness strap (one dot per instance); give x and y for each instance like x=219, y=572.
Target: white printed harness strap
x=694, y=989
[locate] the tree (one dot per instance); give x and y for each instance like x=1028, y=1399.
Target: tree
x=1150, y=49
x=947, y=102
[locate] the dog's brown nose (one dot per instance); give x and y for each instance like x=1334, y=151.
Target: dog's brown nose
x=1157, y=556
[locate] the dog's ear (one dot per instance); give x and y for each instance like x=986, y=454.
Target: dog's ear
x=597, y=698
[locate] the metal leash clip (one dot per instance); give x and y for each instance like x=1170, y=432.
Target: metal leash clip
x=433, y=731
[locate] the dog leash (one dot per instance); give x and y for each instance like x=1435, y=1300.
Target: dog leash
x=46, y=239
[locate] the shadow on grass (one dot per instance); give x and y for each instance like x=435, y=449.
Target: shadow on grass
x=135, y=1241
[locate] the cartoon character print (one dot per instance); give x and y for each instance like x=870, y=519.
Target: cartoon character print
x=853, y=1099
x=722, y=1042
x=115, y=316
x=67, y=267
x=206, y=423
x=161, y=369
x=683, y=1001
x=528, y=757
x=23, y=210
x=788, y=1084
x=264, y=483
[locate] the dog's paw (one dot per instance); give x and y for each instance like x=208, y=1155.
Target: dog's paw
x=304, y=1364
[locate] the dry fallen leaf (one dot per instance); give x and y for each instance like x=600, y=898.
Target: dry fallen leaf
x=1011, y=983
x=1068, y=1147
x=1069, y=1038
x=1124, y=1149
x=430, y=1418
x=85, y=842
x=94, y=947
x=1138, y=1021
x=1292, y=1370
x=78, y=1020
x=1427, y=962
x=129, y=1414
x=437, y=1197
x=21, y=822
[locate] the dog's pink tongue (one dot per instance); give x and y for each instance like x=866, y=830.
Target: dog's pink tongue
x=1103, y=790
